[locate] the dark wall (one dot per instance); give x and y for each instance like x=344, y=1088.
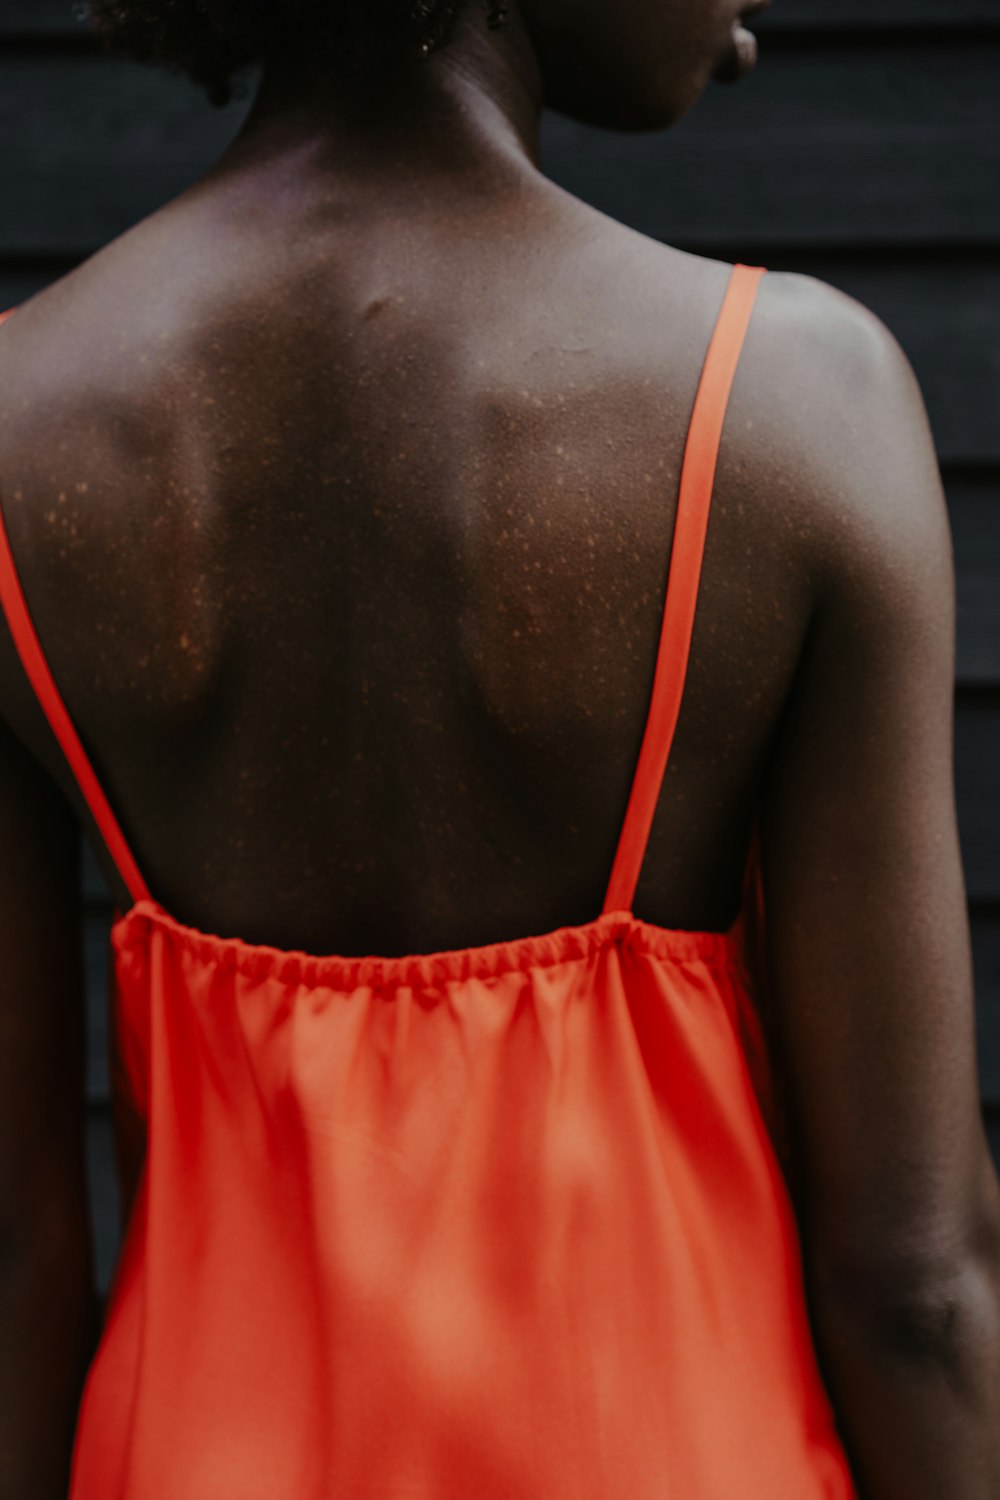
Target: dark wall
x=866, y=150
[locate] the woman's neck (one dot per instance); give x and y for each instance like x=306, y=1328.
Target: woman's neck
x=473, y=109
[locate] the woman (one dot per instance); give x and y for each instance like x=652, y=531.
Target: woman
x=338, y=500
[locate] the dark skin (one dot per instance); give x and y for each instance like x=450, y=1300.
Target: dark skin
x=342, y=492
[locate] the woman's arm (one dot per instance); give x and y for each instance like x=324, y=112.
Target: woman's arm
x=869, y=943
x=48, y=1309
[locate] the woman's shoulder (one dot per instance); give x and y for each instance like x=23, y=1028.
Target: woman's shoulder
x=828, y=418
x=843, y=414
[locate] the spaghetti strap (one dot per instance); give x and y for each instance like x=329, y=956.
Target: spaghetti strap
x=36, y=668
x=694, y=500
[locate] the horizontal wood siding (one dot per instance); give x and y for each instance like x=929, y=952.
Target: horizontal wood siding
x=829, y=146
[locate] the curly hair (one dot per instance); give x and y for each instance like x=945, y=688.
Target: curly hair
x=214, y=41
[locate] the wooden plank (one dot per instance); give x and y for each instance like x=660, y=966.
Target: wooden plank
x=95, y=887
x=985, y=927
x=991, y=1120
x=29, y=18
x=104, y=1205
x=875, y=14
x=974, y=511
x=977, y=774
x=89, y=145
x=823, y=147
x=97, y=920
x=57, y=17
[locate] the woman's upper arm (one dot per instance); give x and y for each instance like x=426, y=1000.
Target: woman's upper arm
x=48, y=1309
x=867, y=924
x=42, y=1010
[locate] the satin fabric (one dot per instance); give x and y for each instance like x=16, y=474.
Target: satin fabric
x=506, y=1222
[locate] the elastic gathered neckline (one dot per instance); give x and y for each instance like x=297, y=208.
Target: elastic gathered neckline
x=509, y=955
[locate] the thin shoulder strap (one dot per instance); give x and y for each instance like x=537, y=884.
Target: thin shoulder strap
x=29, y=649
x=694, y=500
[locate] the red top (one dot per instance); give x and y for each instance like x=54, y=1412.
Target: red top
x=505, y=1222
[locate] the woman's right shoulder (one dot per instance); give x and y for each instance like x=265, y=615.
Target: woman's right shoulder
x=828, y=348
x=837, y=418
x=826, y=334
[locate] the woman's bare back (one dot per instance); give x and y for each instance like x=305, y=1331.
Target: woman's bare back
x=369, y=519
